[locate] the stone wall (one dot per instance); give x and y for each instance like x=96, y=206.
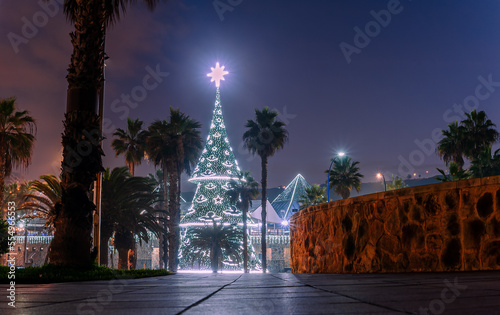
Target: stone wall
x=441, y=227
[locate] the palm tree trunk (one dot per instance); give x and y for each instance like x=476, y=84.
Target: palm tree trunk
x=264, y=212
x=104, y=251
x=124, y=241
x=175, y=232
x=213, y=258
x=131, y=168
x=133, y=254
x=173, y=225
x=81, y=148
x=163, y=242
x=122, y=258
x=245, y=241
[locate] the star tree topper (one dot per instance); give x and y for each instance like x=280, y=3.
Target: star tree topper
x=217, y=74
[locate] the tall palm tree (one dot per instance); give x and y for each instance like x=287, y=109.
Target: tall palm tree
x=175, y=145
x=314, y=195
x=345, y=176
x=218, y=240
x=158, y=141
x=479, y=133
x=128, y=211
x=82, y=126
x=241, y=193
x=186, y=147
x=265, y=136
x=131, y=143
x=161, y=204
x=17, y=137
x=451, y=147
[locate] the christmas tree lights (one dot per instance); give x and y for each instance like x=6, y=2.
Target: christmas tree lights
x=216, y=167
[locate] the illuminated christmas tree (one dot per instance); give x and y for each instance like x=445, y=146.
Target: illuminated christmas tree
x=211, y=206
x=216, y=167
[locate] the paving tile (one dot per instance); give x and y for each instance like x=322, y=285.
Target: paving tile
x=263, y=294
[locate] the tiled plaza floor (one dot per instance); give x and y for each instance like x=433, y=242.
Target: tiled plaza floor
x=417, y=293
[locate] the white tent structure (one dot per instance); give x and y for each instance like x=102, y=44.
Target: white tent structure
x=272, y=216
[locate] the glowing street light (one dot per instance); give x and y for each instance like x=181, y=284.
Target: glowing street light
x=339, y=155
x=380, y=175
x=284, y=223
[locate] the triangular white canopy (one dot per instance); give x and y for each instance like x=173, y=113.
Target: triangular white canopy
x=272, y=216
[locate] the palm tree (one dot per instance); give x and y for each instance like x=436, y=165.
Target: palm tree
x=131, y=143
x=479, y=133
x=186, y=146
x=43, y=201
x=17, y=136
x=452, y=147
x=160, y=206
x=485, y=164
x=218, y=240
x=396, y=183
x=345, y=176
x=314, y=195
x=174, y=146
x=455, y=173
x=265, y=136
x=82, y=153
x=128, y=211
x=242, y=192
x=158, y=150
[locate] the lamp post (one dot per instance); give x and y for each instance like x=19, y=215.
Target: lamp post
x=380, y=175
x=340, y=154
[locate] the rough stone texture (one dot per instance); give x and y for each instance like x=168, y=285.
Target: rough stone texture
x=442, y=227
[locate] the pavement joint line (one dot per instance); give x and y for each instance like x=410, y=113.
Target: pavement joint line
x=208, y=296
x=350, y=297
x=360, y=300
x=85, y=298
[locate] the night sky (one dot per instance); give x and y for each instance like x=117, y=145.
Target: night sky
x=405, y=81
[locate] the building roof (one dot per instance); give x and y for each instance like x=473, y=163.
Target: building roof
x=271, y=215
x=287, y=202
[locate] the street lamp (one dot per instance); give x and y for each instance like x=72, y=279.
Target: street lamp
x=380, y=175
x=340, y=154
